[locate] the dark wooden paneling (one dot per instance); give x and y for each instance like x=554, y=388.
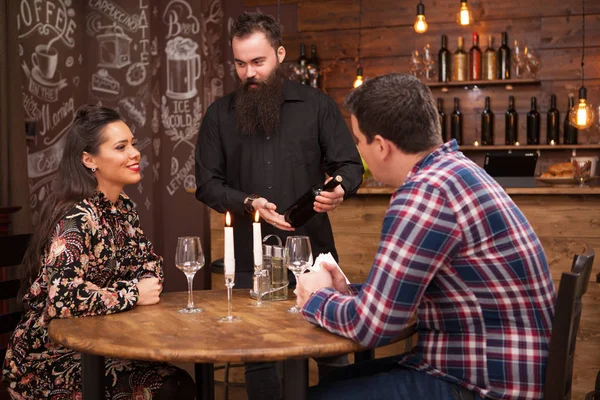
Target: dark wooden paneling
x=330, y=44
x=318, y=16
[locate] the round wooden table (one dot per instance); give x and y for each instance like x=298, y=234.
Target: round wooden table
x=160, y=333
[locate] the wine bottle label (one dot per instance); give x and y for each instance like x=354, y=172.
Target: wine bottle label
x=490, y=67
x=459, y=69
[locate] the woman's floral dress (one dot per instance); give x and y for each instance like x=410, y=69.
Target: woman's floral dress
x=91, y=266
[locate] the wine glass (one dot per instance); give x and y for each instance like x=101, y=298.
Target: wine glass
x=297, y=258
x=189, y=258
x=415, y=64
x=533, y=61
x=428, y=63
x=519, y=58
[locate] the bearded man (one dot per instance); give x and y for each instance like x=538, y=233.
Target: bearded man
x=264, y=145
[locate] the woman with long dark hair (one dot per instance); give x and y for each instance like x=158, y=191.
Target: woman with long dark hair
x=89, y=256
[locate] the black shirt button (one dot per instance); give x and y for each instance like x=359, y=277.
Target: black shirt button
x=268, y=137
x=270, y=187
x=269, y=162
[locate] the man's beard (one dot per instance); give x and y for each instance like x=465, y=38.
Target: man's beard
x=257, y=110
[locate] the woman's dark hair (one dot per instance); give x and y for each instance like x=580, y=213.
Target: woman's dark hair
x=398, y=107
x=250, y=22
x=74, y=182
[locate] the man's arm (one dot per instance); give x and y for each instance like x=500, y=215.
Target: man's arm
x=419, y=235
x=341, y=154
x=211, y=179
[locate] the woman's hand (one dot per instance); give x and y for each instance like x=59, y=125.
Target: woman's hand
x=149, y=291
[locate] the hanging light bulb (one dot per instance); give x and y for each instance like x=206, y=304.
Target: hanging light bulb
x=359, y=78
x=464, y=16
x=420, y=23
x=582, y=114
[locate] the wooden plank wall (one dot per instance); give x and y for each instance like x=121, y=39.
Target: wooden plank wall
x=552, y=27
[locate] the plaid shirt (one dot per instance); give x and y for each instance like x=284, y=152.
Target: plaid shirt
x=457, y=251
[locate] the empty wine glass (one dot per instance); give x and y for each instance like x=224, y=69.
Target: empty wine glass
x=582, y=171
x=189, y=258
x=428, y=60
x=533, y=61
x=519, y=58
x=297, y=258
x=415, y=64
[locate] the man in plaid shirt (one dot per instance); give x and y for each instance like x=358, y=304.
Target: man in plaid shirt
x=454, y=249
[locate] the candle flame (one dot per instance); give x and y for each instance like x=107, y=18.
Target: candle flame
x=227, y=219
x=552, y=142
x=256, y=216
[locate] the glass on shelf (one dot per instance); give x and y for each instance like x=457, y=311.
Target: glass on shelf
x=519, y=59
x=428, y=63
x=415, y=64
x=533, y=61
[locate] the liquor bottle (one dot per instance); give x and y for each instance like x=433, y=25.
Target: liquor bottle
x=533, y=123
x=552, y=122
x=442, y=117
x=302, y=210
x=313, y=68
x=490, y=66
x=504, y=58
x=302, y=65
x=487, y=125
x=444, y=62
x=459, y=62
x=570, y=132
x=511, y=120
x=456, y=123
x=475, y=59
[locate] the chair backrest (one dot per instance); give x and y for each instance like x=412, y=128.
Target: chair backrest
x=559, y=369
x=12, y=250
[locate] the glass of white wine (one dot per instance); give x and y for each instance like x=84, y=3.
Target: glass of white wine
x=189, y=258
x=298, y=257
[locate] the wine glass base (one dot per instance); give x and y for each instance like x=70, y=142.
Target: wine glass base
x=294, y=310
x=230, y=319
x=190, y=310
x=255, y=304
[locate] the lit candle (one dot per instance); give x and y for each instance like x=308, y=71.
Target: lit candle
x=229, y=252
x=257, y=240
x=552, y=143
x=517, y=144
x=476, y=143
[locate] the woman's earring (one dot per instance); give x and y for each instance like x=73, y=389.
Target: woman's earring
x=94, y=169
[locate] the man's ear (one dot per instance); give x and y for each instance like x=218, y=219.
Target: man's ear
x=383, y=146
x=88, y=160
x=280, y=54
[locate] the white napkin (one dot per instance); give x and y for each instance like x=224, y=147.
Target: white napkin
x=328, y=258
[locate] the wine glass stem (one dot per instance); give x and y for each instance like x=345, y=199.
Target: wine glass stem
x=296, y=275
x=190, y=279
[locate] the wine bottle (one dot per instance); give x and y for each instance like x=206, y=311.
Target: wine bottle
x=552, y=122
x=442, y=117
x=490, y=67
x=533, y=124
x=302, y=210
x=570, y=132
x=459, y=62
x=302, y=65
x=456, y=123
x=313, y=68
x=487, y=124
x=504, y=58
x=475, y=59
x=444, y=62
x=511, y=120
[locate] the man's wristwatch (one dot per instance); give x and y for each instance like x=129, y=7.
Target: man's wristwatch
x=248, y=203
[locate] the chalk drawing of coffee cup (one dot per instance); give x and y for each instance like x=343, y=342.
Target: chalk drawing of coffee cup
x=45, y=60
x=183, y=68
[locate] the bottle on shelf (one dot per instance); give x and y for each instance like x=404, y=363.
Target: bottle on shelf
x=511, y=119
x=302, y=65
x=490, y=66
x=552, y=123
x=302, y=210
x=444, y=61
x=504, y=58
x=487, y=124
x=456, y=123
x=442, y=117
x=570, y=132
x=313, y=68
x=475, y=59
x=459, y=62
x=533, y=123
